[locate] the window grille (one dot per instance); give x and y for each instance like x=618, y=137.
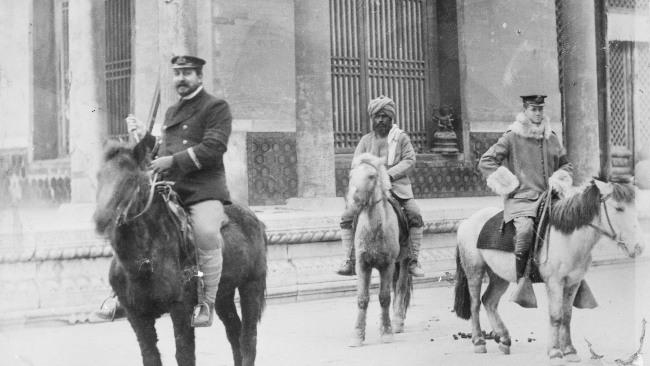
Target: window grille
x=379, y=48
x=118, y=64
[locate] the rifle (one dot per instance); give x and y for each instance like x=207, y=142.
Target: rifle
x=153, y=111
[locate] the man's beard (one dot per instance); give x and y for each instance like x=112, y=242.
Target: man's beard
x=381, y=129
x=188, y=89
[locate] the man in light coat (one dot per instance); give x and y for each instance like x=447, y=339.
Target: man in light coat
x=523, y=163
x=388, y=141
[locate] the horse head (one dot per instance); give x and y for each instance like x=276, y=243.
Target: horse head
x=608, y=207
x=369, y=181
x=122, y=173
x=618, y=218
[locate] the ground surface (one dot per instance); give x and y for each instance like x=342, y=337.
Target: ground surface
x=317, y=332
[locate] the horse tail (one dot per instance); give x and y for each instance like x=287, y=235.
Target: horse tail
x=402, y=284
x=462, y=300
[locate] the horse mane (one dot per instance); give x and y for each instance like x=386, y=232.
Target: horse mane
x=121, y=155
x=114, y=148
x=378, y=163
x=580, y=209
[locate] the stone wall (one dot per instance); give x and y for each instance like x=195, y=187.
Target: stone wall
x=15, y=74
x=254, y=61
x=253, y=68
x=506, y=50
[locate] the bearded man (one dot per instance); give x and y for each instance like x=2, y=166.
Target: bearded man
x=391, y=143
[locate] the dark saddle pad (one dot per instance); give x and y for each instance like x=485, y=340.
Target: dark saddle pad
x=401, y=220
x=499, y=235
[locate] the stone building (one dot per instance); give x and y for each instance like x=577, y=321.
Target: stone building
x=298, y=75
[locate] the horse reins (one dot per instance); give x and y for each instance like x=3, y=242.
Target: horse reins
x=123, y=217
x=611, y=235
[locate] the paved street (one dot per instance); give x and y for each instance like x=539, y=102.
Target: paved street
x=317, y=332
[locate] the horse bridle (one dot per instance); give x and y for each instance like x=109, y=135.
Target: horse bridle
x=372, y=203
x=123, y=217
x=612, y=234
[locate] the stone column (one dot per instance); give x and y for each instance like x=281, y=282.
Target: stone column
x=177, y=35
x=577, y=45
x=314, y=132
x=88, y=124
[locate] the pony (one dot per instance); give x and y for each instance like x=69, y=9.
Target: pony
x=577, y=222
x=376, y=243
x=153, y=270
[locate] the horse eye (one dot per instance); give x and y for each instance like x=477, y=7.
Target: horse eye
x=620, y=209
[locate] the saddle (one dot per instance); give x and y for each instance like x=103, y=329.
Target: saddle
x=499, y=235
x=402, y=221
x=184, y=227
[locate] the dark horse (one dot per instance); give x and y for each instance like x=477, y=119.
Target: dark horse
x=153, y=264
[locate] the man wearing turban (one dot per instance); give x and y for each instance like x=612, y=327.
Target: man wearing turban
x=390, y=142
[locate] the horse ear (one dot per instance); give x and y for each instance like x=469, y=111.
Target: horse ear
x=604, y=187
x=140, y=152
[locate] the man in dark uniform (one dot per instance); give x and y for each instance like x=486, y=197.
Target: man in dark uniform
x=190, y=153
x=388, y=141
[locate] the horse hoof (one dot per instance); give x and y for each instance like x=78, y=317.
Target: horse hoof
x=504, y=348
x=398, y=327
x=572, y=357
x=555, y=357
x=480, y=348
x=386, y=338
x=356, y=342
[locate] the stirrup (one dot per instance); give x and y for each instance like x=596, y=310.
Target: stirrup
x=523, y=295
x=198, y=310
x=109, y=310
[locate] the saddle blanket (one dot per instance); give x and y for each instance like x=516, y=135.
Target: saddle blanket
x=497, y=235
x=402, y=222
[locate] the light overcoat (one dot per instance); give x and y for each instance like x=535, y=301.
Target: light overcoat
x=533, y=154
x=403, y=162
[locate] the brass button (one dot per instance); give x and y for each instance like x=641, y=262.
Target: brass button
x=184, y=142
x=185, y=127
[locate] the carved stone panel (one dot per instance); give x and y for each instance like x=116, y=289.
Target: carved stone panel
x=272, y=174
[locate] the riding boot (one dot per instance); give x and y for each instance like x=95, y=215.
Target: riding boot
x=211, y=263
x=584, y=297
x=523, y=293
x=415, y=234
x=347, y=239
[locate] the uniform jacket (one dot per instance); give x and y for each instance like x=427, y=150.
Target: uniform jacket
x=403, y=162
x=195, y=133
x=533, y=155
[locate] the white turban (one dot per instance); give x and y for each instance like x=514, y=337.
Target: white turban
x=382, y=103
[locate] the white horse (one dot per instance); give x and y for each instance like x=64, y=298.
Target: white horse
x=577, y=223
x=376, y=243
